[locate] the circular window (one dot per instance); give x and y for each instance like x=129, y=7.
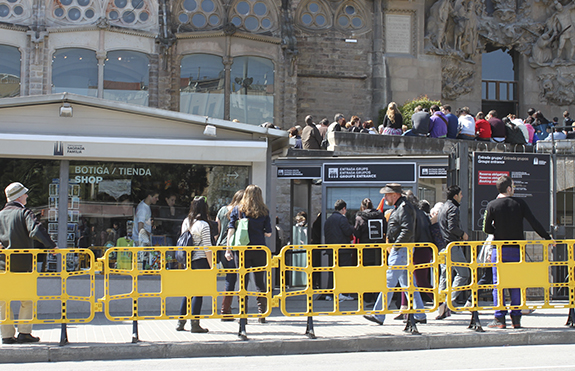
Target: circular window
x=208, y=5
x=113, y=15
x=89, y=13
x=236, y=21
x=343, y=21
x=183, y=18
x=137, y=4
x=306, y=19
x=252, y=23
x=266, y=23
x=120, y=3
x=4, y=10
x=18, y=10
x=12, y=1
x=190, y=5
x=144, y=16
x=320, y=20
x=243, y=8
x=260, y=9
x=313, y=7
x=74, y=14
x=66, y=2
x=128, y=16
x=58, y=12
x=356, y=22
x=83, y=2
x=214, y=19
x=349, y=10
x=198, y=20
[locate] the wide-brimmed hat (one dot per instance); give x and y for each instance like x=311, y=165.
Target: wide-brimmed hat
x=391, y=188
x=14, y=191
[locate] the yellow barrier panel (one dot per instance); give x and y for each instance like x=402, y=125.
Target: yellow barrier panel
x=524, y=274
x=358, y=279
x=63, y=295
x=143, y=283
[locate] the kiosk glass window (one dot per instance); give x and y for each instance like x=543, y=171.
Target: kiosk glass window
x=202, y=85
x=9, y=71
x=127, y=77
x=75, y=71
x=252, y=94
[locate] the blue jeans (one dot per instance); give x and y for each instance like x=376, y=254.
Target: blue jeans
x=398, y=257
x=509, y=254
x=231, y=278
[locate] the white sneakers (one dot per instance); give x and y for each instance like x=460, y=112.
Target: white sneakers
x=343, y=297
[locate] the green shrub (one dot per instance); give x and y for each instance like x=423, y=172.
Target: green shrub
x=407, y=109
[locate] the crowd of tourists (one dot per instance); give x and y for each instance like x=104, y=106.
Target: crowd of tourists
x=440, y=122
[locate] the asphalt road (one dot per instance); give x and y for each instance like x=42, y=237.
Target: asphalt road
x=540, y=357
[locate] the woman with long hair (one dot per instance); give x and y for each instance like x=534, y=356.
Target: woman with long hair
x=223, y=220
x=197, y=224
x=252, y=206
x=393, y=121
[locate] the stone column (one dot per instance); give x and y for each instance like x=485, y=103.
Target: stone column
x=380, y=84
x=227, y=61
x=38, y=64
x=101, y=56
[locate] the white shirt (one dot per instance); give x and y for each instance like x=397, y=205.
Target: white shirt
x=466, y=125
x=143, y=215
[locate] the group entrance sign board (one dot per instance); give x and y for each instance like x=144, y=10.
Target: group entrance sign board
x=369, y=172
x=530, y=174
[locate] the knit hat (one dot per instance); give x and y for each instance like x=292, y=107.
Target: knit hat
x=15, y=191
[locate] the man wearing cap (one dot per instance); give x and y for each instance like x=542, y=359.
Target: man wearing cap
x=400, y=229
x=19, y=228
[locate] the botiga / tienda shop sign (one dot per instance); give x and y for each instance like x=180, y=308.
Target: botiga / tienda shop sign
x=531, y=174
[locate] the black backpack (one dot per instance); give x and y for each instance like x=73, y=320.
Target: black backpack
x=514, y=135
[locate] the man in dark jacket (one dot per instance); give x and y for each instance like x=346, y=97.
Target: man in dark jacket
x=18, y=230
x=400, y=229
x=310, y=136
x=504, y=220
x=451, y=230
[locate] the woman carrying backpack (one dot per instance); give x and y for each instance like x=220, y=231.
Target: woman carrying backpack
x=197, y=224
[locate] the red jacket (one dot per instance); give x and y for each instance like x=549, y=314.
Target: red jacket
x=483, y=128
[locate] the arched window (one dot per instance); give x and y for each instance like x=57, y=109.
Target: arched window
x=200, y=14
x=9, y=71
x=254, y=15
x=252, y=90
x=75, y=71
x=15, y=10
x=126, y=77
x=314, y=15
x=202, y=80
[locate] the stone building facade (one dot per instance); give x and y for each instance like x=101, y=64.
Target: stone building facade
x=287, y=59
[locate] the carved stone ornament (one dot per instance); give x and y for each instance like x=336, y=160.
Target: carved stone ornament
x=457, y=78
x=557, y=85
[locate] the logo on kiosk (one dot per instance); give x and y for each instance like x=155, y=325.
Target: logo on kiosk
x=69, y=149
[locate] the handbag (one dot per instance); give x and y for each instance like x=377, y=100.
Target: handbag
x=241, y=236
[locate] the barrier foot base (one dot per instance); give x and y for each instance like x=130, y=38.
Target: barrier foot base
x=135, y=336
x=310, y=333
x=411, y=327
x=571, y=318
x=63, y=335
x=242, y=332
x=475, y=323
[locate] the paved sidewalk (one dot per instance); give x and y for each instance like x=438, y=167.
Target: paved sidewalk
x=103, y=339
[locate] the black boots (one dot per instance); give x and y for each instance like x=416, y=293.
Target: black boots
x=181, y=324
x=516, y=320
x=196, y=327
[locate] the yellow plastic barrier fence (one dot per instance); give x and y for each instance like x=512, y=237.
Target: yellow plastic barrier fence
x=144, y=283
x=362, y=277
x=60, y=293
x=532, y=271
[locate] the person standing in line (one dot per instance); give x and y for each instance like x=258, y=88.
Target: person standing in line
x=437, y=123
x=252, y=206
x=419, y=123
x=223, y=220
x=504, y=220
x=19, y=229
x=310, y=137
x=466, y=125
x=482, y=128
x=322, y=127
x=337, y=230
x=497, y=127
x=392, y=122
x=400, y=229
x=451, y=231
x=197, y=223
x=452, y=121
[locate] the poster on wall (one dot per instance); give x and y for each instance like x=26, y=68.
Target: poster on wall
x=531, y=174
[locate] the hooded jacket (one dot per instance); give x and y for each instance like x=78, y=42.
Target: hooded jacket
x=363, y=226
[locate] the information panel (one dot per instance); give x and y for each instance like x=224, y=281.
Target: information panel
x=370, y=172
x=299, y=172
x=530, y=174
